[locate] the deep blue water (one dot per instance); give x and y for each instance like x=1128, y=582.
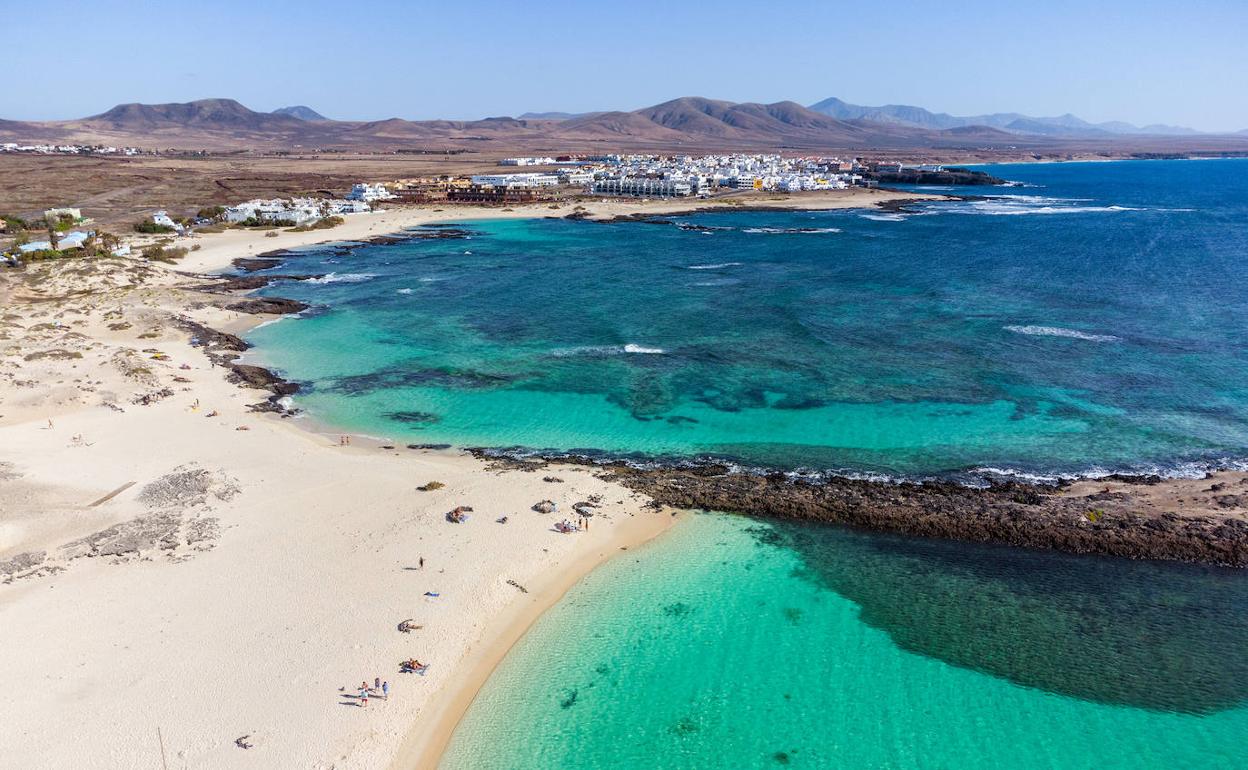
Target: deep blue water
x=1094, y=318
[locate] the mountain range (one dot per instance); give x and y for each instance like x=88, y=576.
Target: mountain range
x=1063, y=125
x=301, y=112
x=686, y=123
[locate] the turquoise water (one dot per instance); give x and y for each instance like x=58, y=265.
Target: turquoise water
x=1093, y=319
x=730, y=643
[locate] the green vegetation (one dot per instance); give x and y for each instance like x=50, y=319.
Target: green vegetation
x=62, y=223
x=15, y=224
x=258, y=223
x=320, y=224
x=158, y=253
x=151, y=228
x=211, y=212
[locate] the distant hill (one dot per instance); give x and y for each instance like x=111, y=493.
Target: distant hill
x=204, y=113
x=1067, y=125
x=689, y=123
x=553, y=115
x=301, y=112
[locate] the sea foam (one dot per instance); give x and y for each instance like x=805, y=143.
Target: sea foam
x=791, y=230
x=1057, y=331
x=607, y=350
x=343, y=278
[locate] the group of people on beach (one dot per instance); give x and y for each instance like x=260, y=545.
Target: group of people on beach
x=565, y=526
x=379, y=687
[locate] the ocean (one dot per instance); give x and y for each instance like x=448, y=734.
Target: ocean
x=1090, y=319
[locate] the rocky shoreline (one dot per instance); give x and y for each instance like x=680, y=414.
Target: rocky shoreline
x=1113, y=520
x=1120, y=518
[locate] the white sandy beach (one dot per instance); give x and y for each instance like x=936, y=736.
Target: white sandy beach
x=173, y=580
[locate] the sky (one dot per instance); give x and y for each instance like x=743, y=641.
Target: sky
x=1144, y=62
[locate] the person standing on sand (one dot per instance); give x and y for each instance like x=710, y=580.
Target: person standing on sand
x=385, y=690
x=376, y=683
x=363, y=697
x=422, y=562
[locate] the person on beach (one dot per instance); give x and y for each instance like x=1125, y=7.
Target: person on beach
x=422, y=562
x=385, y=690
x=376, y=684
x=363, y=697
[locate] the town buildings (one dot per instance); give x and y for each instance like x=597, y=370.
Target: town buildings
x=369, y=193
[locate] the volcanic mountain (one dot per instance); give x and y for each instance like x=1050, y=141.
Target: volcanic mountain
x=688, y=123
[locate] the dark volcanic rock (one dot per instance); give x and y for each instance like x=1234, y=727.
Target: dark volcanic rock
x=250, y=282
x=267, y=306
x=950, y=176
x=252, y=264
x=1010, y=513
x=259, y=377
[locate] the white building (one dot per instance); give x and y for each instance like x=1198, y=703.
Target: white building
x=516, y=180
x=644, y=187
x=576, y=177
x=526, y=162
x=163, y=219
x=369, y=193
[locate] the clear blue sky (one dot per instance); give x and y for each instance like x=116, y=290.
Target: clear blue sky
x=1134, y=60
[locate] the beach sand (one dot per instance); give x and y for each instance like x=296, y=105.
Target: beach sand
x=174, y=587
x=178, y=573
x=217, y=249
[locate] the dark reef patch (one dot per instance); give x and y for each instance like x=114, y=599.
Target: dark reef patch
x=1092, y=628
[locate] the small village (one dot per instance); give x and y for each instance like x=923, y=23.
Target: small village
x=65, y=231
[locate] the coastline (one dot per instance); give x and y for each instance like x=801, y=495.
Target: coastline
x=431, y=734
x=287, y=479
x=207, y=545
x=217, y=251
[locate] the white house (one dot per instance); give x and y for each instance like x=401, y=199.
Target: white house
x=162, y=218
x=369, y=193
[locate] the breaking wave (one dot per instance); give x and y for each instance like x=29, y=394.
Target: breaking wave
x=1057, y=331
x=607, y=350
x=791, y=230
x=343, y=278
x=714, y=266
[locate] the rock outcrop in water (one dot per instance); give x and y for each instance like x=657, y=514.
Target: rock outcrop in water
x=1010, y=513
x=949, y=176
x=1118, y=523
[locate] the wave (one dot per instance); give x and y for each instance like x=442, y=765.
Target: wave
x=607, y=350
x=884, y=217
x=791, y=230
x=405, y=291
x=717, y=282
x=979, y=477
x=1182, y=469
x=714, y=266
x=433, y=278
x=344, y=278
x=1020, y=205
x=1057, y=331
